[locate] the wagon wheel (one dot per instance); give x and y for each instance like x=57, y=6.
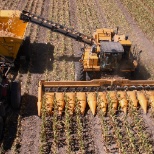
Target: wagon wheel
x=2, y=109
x=15, y=94
x=90, y=75
x=1, y=127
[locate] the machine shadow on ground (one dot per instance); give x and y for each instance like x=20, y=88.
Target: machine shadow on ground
x=40, y=58
x=28, y=108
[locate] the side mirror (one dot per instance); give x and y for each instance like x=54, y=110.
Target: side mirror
x=117, y=29
x=126, y=37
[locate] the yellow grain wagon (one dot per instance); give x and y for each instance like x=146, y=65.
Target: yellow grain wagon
x=12, y=31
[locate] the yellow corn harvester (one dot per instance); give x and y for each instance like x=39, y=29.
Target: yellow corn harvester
x=108, y=52
x=119, y=92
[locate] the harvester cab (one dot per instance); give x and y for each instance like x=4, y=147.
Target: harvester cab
x=110, y=52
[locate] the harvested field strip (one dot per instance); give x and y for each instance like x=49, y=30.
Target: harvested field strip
x=146, y=21
x=84, y=25
x=6, y=5
x=100, y=14
x=62, y=51
x=38, y=10
x=2, y=6
x=14, y=4
x=22, y=5
x=31, y=6
x=149, y=4
x=49, y=63
x=28, y=84
x=92, y=16
x=146, y=6
x=59, y=49
x=68, y=50
x=114, y=16
x=54, y=37
x=28, y=6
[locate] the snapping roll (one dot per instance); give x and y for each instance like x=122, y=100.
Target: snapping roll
x=60, y=102
x=122, y=97
x=112, y=96
x=92, y=101
x=132, y=98
x=102, y=99
x=81, y=99
x=142, y=100
x=70, y=98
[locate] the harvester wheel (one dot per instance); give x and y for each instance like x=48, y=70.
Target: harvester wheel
x=15, y=94
x=1, y=127
x=89, y=76
x=79, y=72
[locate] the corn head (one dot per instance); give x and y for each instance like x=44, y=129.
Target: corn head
x=122, y=93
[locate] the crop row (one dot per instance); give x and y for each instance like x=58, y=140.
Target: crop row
x=52, y=127
x=27, y=84
x=148, y=4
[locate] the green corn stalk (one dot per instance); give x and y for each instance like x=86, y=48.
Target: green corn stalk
x=140, y=130
x=130, y=135
x=67, y=125
x=79, y=128
x=118, y=137
x=43, y=126
x=55, y=131
x=104, y=126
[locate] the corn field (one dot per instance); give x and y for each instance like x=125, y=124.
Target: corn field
x=52, y=59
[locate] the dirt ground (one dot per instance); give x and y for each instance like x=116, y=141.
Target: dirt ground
x=52, y=58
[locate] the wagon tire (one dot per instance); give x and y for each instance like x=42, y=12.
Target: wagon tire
x=15, y=94
x=1, y=127
x=2, y=110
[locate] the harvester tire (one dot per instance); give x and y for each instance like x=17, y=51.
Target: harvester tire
x=15, y=94
x=79, y=72
x=89, y=76
x=1, y=127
